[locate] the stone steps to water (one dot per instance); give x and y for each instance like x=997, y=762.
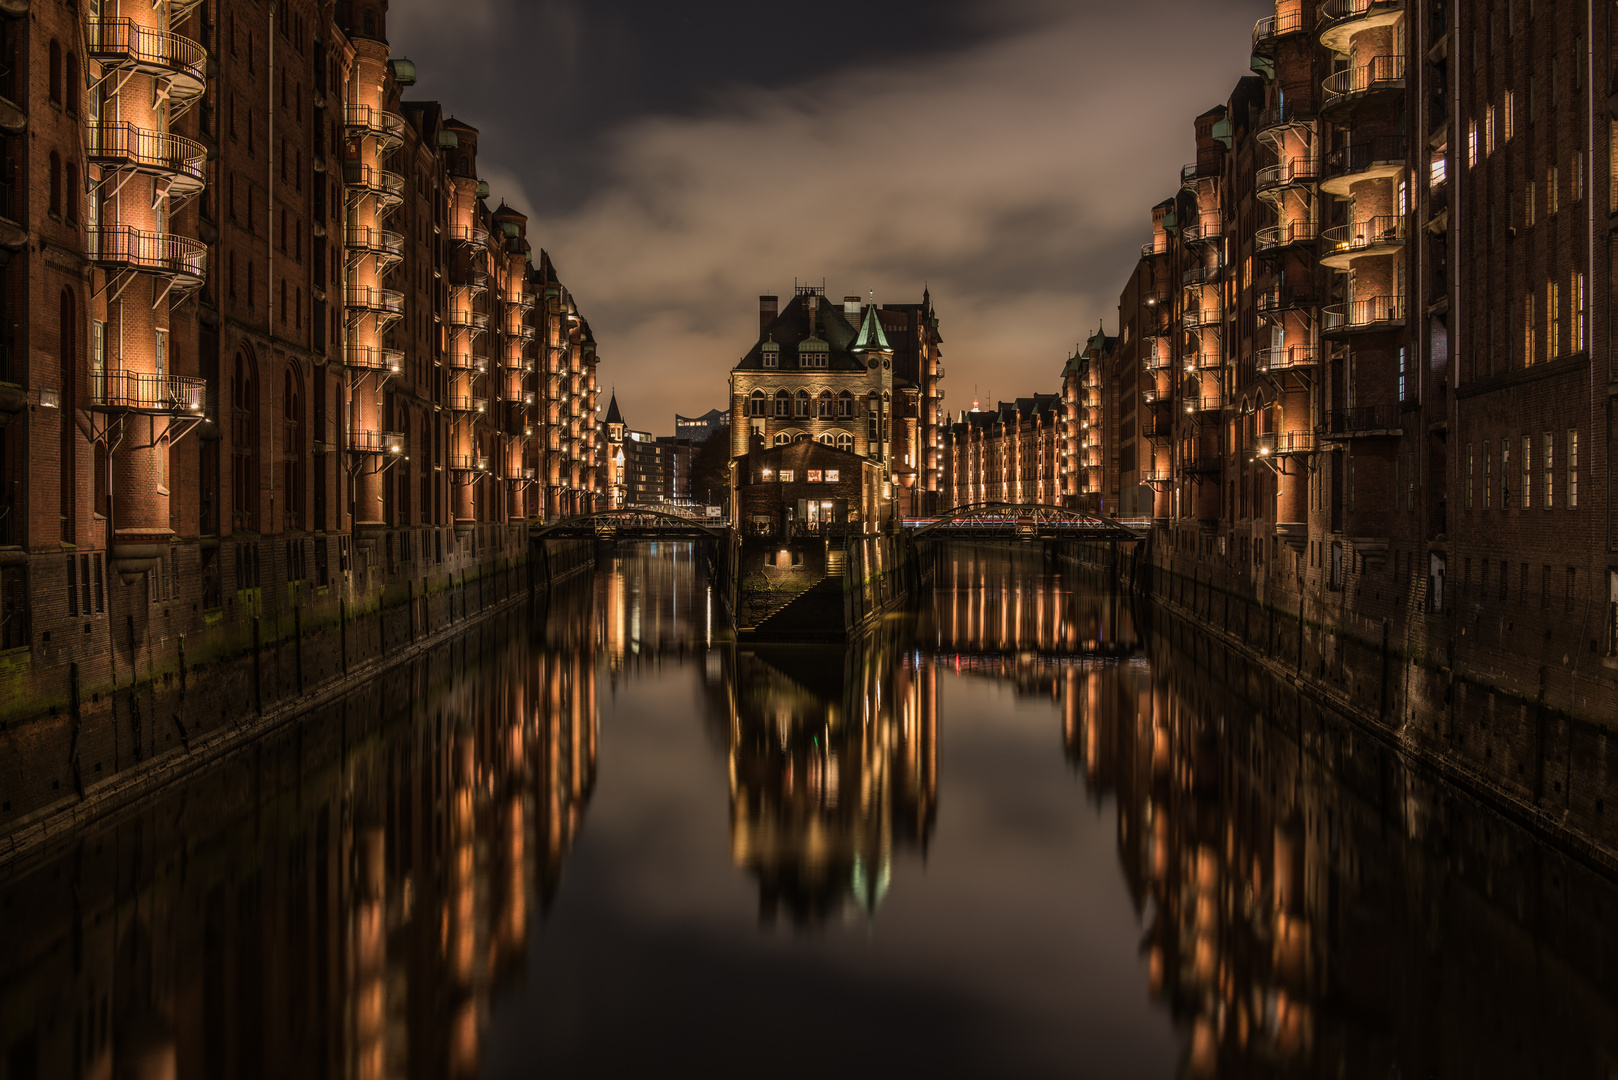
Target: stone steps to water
x=816, y=614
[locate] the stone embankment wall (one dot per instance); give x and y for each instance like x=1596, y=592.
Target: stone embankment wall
x=1541, y=749
x=83, y=734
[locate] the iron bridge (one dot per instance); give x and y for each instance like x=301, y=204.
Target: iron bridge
x=628, y=524
x=1024, y=521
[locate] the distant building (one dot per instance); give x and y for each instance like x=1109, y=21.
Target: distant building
x=1011, y=454
x=699, y=428
x=642, y=470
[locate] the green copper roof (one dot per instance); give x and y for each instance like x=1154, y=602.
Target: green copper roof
x=871, y=335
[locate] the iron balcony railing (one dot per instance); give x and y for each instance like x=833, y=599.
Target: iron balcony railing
x=1381, y=73
x=470, y=278
x=1283, y=358
x=465, y=360
x=1374, y=311
x=1284, y=443
x=1199, y=275
x=137, y=391
x=1205, y=402
x=1276, y=237
x=469, y=462
x=469, y=320
x=383, y=182
x=1363, y=419
x=1205, y=230
x=466, y=403
x=120, y=144
x=1156, y=476
x=381, y=242
x=1332, y=12
x=1154, y=396
x=1384, y=230
x=1292, y=173
x=1148, y=250
x=121, y=43
x=1287, y=113
x=376, y=442
x=1200, y=462
x=363, y=121
x=367, y=298
x=1198, y=318
x=1274, y=301
x=374, y=358
x=1358, y=157
x=1192, y=173
x=125, y=248
x=1270, y=27
x=475, y=235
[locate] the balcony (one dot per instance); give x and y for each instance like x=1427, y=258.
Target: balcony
x=151, y=394
x=1274, y=179
x=1339, y=20
x=376, y=442
x=520, y=330
x=1201, y=275
x=475, y=321
x=363, y=122
x=123, y=45
x=475, y=235
x=1153, y=396
x=1157, y=428
x=1372, y=159
x=121, y=248
x=1156, y=476
x=469, y=462
x=1284, y=443
x=1287, y=114
x=470, y=278
x=1381, y=235
x=382, y=244
x=1362, y=421
x=1203, y=318
x=372, y=358
x=1370, y=315
x=366, y=299
x=1271, y=28
x=1209, y=229
x=1204, y=403
x=466, y=360
x=1148, y=250
x=384, y=185
x=122, y=145
x=1379, y=81
x=1193, y=174
x=1157, y=356
x=466, y=403
x=1283, y=358
x=1274, y=302
x=1278, y=238
x=1201, y=463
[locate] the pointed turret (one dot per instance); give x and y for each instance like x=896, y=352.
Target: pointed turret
x=613, y=415
x=871, y=335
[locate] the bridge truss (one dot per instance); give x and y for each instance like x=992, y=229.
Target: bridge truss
x=1024, y=521
x=628, y=524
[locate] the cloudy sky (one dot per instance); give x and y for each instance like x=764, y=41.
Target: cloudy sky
x=677, y=160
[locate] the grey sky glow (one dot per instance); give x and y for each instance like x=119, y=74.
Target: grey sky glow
x=677, y=162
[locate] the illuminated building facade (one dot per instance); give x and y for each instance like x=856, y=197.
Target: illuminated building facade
x=267, y=345
x=1012, y=454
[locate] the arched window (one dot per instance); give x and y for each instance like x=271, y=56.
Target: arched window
x=69, y=344
x=845, y=441
x=845, y=405
x=369, y=25
x=782, y=438
x=56, y=184
x=70, y=194
x=756, y=404
x=823, y=405
x=465, y=166
x=828, y=438
x=803, y=404
x=244, y=443
x=783, y=403
x=292, y=482
x=56, y=71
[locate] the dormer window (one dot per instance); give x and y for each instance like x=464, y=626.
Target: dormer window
x=772, y=357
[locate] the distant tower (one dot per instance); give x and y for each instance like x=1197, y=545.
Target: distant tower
x=616, y=487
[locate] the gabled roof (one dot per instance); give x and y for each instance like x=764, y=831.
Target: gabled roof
x=792, y=327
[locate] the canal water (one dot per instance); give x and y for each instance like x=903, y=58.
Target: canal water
x=1018, y=832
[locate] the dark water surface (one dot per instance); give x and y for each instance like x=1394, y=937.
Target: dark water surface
x=1016, y=833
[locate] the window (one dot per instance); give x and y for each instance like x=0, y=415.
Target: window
x=1336, y=563
x=786, y=476
x=1470, y=474
x=845, y=441
x=56, y=184
x=1572, y=468
x=772, y=358
x=803, y=404
x=1488, y=131
x=1505, y=473
x=832, y=476
x=1546, y=453
x=1551, y=194
x=1553, y=318
x=70, y=193
x=1403, y=382
x=1528, y=329
x=1528, y=204
x=1472, y=144
x=782, y=438
x=1527, y=471
x=756, y=404
x=56, y=71
x=814, y=476
x=783, y=403
x=1435, y=583
x=1576, y=188
x=1488, y=475
x=1506, y=118
x=845, y=405
x=1576, y=303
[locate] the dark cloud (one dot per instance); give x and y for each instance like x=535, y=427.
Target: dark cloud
x=679, y=160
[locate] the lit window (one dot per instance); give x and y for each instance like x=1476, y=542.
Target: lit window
x=832, y=476
x=786, y=476
x=813, y=476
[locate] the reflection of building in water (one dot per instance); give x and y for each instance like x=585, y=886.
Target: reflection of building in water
x=339, y=902
x=1003, y=612
x=833, y=764
x=1315, y=909
x=655, y=601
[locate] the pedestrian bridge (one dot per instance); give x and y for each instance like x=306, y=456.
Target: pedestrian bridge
x=629, y=524
x=1023, y=521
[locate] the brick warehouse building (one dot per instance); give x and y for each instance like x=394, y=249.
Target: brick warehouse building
x=1362, y=374
x=268, y=350
x=1013, y=453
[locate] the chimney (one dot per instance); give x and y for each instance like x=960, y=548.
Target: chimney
x=768, y=308
x=851, y=310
